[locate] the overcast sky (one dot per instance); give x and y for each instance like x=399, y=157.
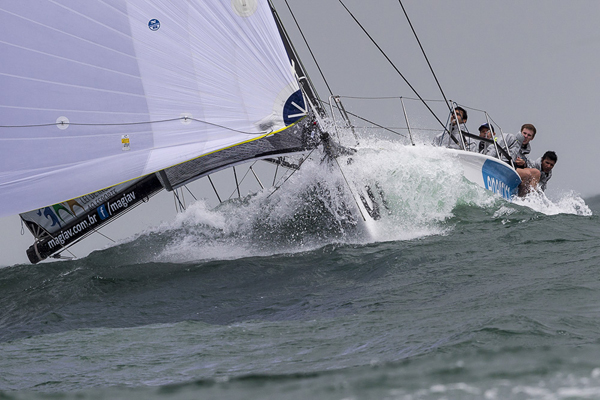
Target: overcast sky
x=523, y=61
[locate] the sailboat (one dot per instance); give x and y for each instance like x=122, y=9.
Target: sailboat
x=107, y=102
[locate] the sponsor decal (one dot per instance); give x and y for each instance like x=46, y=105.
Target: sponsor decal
x=60, y=207
x=53, y=218
x=294, y=108
x=125, y=142
x=123, y=202
x=102, y=212
x=72, y=204
x=500, y=179
x=154, y=24
x=50, y=215
x=69, y=233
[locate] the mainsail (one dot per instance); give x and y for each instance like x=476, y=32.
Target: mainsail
x=145, y=94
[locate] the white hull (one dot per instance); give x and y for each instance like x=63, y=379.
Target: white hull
x=489, y=173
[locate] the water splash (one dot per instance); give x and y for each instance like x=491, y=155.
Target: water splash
x=422, y=188
x=566, y=203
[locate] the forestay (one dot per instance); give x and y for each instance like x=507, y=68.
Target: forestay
x=95, y=92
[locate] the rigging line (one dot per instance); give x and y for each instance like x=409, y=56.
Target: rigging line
x=101, y=234
x=424, y=54
x=188, y=189
x=474, y=109
x=237, y=185
x=237, y=189
x=133, y=123
x=392, y=64
x=349, y=188
x=274, y=177
x=294, y=171
x=213, y=186
x=399, y=127
x=70, y=252
x=370, y=122
x=387, y=98
x=308, y=46
x=483, y=111
x=176, y=197
x=284, y=178
x=408, y=98
x=85, y=124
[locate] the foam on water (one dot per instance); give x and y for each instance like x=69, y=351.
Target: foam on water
x=565, y=203
x=421, y=185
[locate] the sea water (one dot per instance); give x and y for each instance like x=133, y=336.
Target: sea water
x=457, y=295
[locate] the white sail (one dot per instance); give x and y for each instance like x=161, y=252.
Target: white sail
x=98, y=92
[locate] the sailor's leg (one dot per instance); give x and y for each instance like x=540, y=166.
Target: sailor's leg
x=535, y=177
x=529, y=180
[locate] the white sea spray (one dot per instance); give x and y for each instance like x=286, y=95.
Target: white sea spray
x=564, y=203
x=420, y=187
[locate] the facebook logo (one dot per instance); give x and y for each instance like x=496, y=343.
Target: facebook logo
x=102, y=212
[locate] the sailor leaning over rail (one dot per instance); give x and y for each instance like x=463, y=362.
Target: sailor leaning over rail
x=519, y=148
x=452, y=138
x=545, y=164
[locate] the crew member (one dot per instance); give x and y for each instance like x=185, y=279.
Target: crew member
x=545, y=164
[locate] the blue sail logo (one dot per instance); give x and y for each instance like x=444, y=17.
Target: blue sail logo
x=294, y=108
x=154, y=24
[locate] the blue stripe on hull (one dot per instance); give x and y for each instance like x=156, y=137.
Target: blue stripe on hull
x=500, y=178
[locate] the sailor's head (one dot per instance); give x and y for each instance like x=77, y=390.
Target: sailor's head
x=549, y=160
x=461, y=113
x=528, y=131
x=484, y=131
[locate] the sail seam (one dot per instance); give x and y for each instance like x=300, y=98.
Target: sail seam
x=74, y=86
x=70, y=59
x=73, y=36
